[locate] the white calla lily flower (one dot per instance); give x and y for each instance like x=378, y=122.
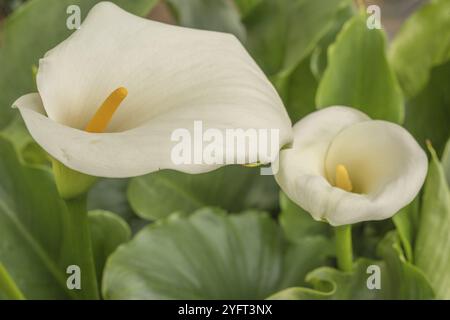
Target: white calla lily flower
x=345, y=168
x=164, y=77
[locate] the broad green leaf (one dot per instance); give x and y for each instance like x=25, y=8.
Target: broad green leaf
x=311, y=238
x=28, y=150
x=304, y=256
x=8, y=287
x=404, y=280
x=17, y=134
x=399, y=279
x=111, y=195
x=108, y=231
x=298, y=91
x=432, y=249
x=298, y=224
x=406, y=222
x=329, y=283
x=282, y=33
x=32, y=224
x=32, y=30
x=208, y=255
x=217, y=15
x=358, y=74
x=234, y=188
x=428, y=113
x=298, y=88
x=31, y=228
x=446, y=161
x=319, y=59
x=422, y=43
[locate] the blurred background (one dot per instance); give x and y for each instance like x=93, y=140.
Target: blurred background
x=393, y=11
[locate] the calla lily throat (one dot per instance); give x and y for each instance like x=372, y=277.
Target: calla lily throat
x=344, y=247
x=343, y=178
x=71, y=184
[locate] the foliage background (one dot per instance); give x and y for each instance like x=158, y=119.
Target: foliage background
x=231, y=233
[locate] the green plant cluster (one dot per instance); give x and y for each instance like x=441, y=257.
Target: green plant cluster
x=231, y=234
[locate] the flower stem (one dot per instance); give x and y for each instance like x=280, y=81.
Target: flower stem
x=78, y=247
x=344, y=247
x=8, y=286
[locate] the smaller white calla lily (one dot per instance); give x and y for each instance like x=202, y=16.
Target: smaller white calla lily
x=163, y=77
x=345, y=168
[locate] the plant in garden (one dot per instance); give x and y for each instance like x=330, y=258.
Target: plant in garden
x=109, y=96
x=85, y=140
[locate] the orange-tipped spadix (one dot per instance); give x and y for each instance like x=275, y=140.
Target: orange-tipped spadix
x=103, y=116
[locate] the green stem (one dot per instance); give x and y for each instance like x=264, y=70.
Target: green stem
x=78, y=247
x=8, y=286
x=344, y=251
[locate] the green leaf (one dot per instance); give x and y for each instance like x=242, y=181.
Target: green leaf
x=298, y=88
x=319, y=59
x=31, y=228
x=422, y=43
x=217, y=15
x=298, y=91
x=208, y=255
x=234, y=188
x=329, y=283
x=432, y=250
x=399, y=279
x=8, y=288
x=311, y=238
x=303, y=256
x=28, y=150
x=111, y=195
x=404, y=280
x=282, y=33
x=28, y=33
x=358, y=74
x=406, y=222
x=17, y=134
x=427, y=113
x=108, y=231
x=298, y=224
x=446, y=161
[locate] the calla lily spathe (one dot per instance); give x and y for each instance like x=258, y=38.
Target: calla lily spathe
x=173, y=77
x=379, y=161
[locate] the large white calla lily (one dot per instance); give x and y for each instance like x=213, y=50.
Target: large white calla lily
x=171, y=76
x=345, y=168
